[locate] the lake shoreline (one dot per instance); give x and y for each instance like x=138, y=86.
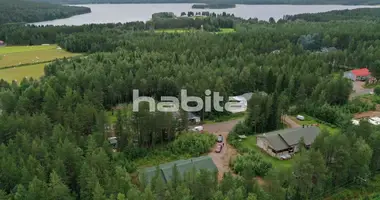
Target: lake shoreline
x=122, y=13
x=266, y=3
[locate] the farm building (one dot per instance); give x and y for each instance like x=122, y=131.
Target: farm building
x=284, y=142
x=2, y=43
x=358, y=74
x=183, y=166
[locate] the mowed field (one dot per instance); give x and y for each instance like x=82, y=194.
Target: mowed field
x=21, y=55
x=18, y=73
x=222, y=30
x=17, y=62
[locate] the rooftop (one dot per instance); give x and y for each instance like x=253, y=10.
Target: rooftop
x=361, y=72
x=283, y=139
x=183, y=166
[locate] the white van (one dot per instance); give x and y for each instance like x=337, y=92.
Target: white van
x=300, y=117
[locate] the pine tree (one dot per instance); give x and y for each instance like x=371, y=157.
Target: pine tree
x=37, y=190
x=57, y=190
x=21, y=193
x=98, y=193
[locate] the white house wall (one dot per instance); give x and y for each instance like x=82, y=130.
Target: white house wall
x=349, y=75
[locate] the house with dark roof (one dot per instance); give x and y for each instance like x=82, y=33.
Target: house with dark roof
x=284, y=142
x=362, y=74
x=183, y=167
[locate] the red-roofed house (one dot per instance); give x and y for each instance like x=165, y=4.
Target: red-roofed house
x=358, y=74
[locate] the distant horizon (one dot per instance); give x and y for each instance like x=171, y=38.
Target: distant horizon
x=128, y=12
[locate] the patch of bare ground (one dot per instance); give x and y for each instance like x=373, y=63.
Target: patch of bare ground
x=222, y=159
x=367, y=114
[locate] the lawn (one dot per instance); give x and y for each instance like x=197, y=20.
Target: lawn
x=22, y=55
x=310, y=120
x=227, y=30
x=224, y=118
x=250, y=143
x=18, y=73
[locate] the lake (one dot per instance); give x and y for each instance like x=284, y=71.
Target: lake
x=114, y=13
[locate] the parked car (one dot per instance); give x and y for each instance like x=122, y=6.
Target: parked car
x=198, y=129
x=220, y=139
x=285, y=157
x=300, y=117
x=219, y=148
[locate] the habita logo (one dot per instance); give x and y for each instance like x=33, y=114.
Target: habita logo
x=173, y=104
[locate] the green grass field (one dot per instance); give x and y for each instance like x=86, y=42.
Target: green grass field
x=18, y=49
x=22, y=55
x=17, y=62
x=250, y=143
x=227, y=30
x=310, y=120
x=18, y=73
x=222, y=30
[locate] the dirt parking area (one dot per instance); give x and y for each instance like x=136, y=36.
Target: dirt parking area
x=222, y=159
x=367, y=114
x=358, y=89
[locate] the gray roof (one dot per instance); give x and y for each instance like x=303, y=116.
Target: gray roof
x=183, y=166
x=190, y=115
x=283, y=139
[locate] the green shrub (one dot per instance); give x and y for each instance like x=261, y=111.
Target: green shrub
x=251, y=161
x=194, y=144
x=343, y=195
x=377, y=90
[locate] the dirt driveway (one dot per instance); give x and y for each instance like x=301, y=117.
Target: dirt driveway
x=358, y=89
x=290, y=122
x=228, y=152
x=367, y=114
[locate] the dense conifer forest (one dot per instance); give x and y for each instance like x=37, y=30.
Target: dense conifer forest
x=53, y=130
x=356, y=14
x=14, y=11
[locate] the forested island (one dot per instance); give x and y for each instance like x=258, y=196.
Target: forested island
x=14, y=11
x=356, y=14
x=213, y=6
x=296, y=2
x=55, y=129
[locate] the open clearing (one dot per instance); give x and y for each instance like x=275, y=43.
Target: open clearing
x=222, y=30
x=22, y=55
x=18, y=73
x=250, y=143
x=310, y=121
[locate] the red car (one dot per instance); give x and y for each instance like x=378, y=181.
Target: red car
x=219, y=148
